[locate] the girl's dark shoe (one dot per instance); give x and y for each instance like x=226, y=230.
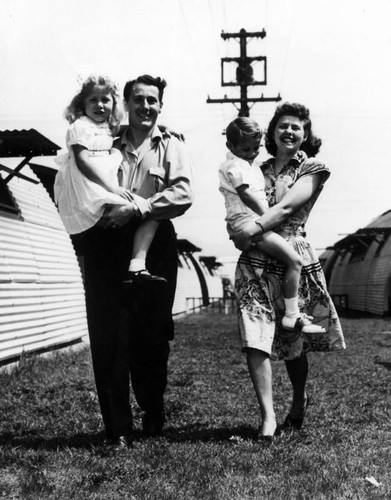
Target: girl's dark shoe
x=144, y=275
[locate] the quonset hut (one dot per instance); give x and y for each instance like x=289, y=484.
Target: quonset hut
x=358, y=268
x=41, y=289
x=42, y=304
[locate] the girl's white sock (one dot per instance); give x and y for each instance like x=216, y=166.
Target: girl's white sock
x=136, y=265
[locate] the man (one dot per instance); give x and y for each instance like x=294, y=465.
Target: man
x=130, y=324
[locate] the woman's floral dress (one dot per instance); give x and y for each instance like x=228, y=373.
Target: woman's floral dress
x=258, y=278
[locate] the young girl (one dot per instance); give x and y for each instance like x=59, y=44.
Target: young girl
x=242, y=185
x=87, y=177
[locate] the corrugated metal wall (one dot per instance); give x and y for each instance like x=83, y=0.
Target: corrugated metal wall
x=377, y=297
x=41, y=289
x=365, y=283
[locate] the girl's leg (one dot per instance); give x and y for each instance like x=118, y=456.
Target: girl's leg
x=259, y=366
x=142, y=241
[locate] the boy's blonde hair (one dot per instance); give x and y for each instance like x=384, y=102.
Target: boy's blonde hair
x=242, y=129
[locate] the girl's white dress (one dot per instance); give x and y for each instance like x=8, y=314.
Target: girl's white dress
x=80, y=201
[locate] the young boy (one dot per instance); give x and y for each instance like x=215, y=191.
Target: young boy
x=242, y=185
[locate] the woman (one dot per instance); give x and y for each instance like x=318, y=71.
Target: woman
x=293, y=184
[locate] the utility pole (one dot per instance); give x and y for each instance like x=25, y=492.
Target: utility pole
x=244, y=73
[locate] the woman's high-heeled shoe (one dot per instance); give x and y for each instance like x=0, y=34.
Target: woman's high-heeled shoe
x=294, y=423
x=266, y=439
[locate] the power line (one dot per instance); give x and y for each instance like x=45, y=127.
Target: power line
x=244, y=72
x=216, y=48
x=200, y=72
x=288, y=45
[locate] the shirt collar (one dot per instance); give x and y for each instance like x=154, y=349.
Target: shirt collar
x=231, y=156
x=298, y=158
x=155, y=138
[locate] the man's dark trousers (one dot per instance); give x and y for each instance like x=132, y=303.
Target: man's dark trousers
x=129, y=325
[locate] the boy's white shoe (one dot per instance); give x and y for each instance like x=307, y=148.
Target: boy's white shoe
x=302, y=324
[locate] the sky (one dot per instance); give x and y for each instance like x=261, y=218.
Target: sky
x=331, y=55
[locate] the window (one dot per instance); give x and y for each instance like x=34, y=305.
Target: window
x=7, y=201
x=381, y=239
x=359, y=248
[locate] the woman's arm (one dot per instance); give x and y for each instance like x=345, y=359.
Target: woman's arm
x=295, y=198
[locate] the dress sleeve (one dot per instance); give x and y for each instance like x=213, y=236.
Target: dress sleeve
x=81, y=133
x=313, y=166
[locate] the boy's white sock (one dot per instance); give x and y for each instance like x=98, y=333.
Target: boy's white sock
x=292, y=307
x=136, y=265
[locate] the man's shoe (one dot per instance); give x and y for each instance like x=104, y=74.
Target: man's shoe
x=153, y=423
x=119, y=443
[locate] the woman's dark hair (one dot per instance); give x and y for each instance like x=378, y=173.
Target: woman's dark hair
x=310, y=146
x=146, y=80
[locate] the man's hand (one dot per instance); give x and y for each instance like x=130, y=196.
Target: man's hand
x=118, y=215
x=166, y=130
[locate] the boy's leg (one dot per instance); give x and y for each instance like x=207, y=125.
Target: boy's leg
x=276, y=246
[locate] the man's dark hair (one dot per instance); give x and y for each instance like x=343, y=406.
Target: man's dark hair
x=158, y=82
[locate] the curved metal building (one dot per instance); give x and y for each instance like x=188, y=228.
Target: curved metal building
x=358, y=268
x=41, y=288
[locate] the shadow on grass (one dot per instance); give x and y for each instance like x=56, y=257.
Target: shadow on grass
x=386, y=364
x=33, y=442
x=191, y=433
x=199, y=432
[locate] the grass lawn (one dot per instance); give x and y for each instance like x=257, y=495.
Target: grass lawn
x=51, y=431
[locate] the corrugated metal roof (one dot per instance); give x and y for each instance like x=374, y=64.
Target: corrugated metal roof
x=381, y=224
x=15, y=143
x=383, y=221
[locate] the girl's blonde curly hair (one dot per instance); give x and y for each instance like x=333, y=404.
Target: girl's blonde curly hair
x=76, y=108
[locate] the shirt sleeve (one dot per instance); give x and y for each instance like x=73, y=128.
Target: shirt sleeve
x=80, y=133
x=239, y=174
x=177, y=196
